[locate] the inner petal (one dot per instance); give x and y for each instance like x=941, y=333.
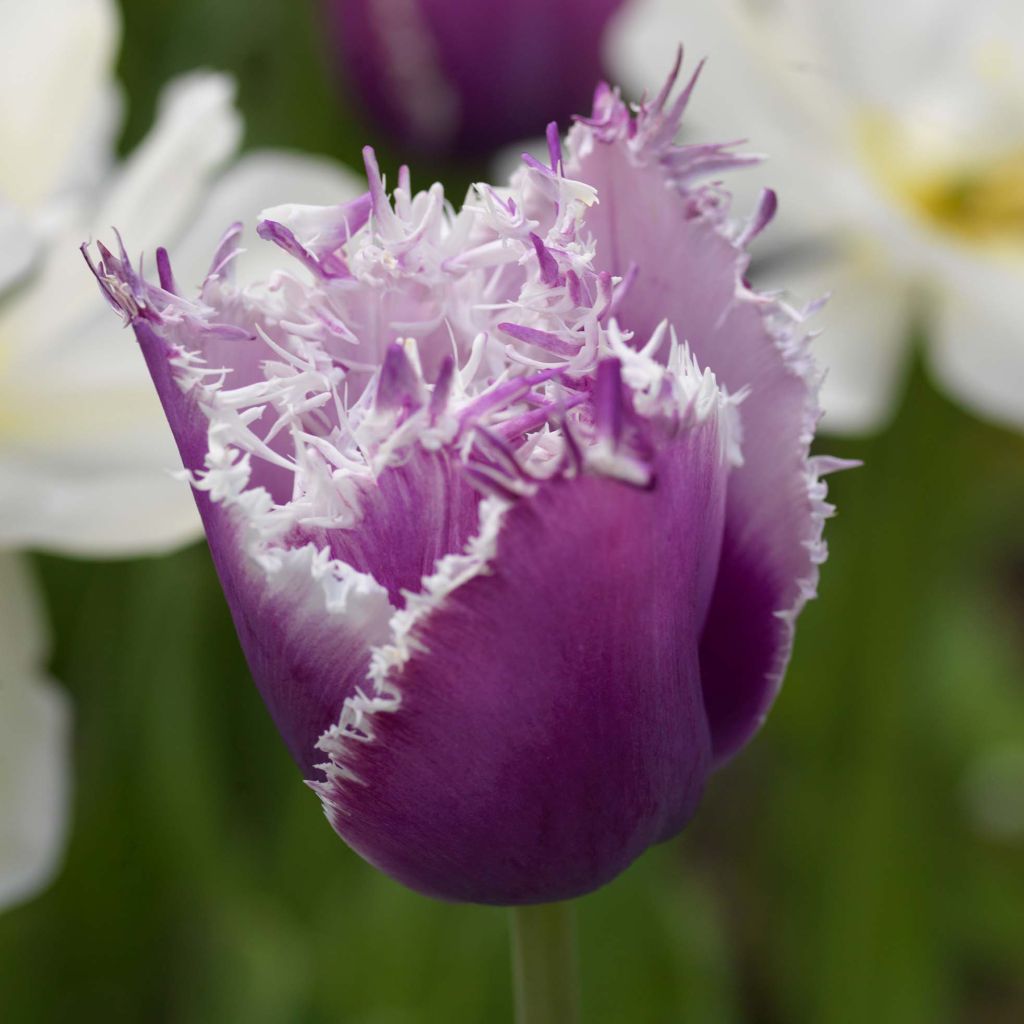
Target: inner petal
x=412, y=515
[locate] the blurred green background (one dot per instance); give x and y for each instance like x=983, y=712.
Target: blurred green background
x=863, y=860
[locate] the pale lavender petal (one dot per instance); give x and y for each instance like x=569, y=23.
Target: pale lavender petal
x=295, y=229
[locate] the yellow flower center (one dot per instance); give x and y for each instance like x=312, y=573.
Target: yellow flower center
x=981, y=201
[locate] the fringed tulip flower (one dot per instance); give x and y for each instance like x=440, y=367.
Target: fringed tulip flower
x=896, y=134
x=512, y=506
x=445, y=76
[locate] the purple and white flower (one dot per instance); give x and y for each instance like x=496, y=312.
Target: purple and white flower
x=513, y=506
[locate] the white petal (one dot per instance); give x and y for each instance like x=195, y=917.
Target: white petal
x=745, y=93
x=258, y=180
x=17, y=245
x=91, y=164
x=99, y=512
x=56, y=64
x=34, y=745
x=919, y=54
x=164, y=180
x=863, y=345
x=977, y=342
x=870, y=49
x=86, y=455
x=643, y=41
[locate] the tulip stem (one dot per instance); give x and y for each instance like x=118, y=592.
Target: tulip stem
x=544, y=964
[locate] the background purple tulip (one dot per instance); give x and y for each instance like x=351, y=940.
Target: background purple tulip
x=447, y=76
x=513, y=507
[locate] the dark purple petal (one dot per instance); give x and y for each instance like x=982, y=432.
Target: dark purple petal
x=398, y=386
x=551, y=723
x=448, y=76
x=415, y=514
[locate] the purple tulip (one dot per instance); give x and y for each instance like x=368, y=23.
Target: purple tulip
x=512, y=506
x=450, y=76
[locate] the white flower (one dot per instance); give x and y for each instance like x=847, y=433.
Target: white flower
x=85, y=459
x=905, y=123
x=33, y=743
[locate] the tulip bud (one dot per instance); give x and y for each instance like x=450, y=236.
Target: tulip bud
x=444, y=76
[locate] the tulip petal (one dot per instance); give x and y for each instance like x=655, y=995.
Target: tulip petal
x=304, y=621
x=415, y=514
x=692, y=273
x=76, y=507
x=258, y=180
x=196, y=131
x=87, y=460
x=481, y=513
x=881, y=57
x=550, y=723
x=738, y=98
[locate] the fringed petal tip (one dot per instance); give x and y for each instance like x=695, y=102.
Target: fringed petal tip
x=513, y=506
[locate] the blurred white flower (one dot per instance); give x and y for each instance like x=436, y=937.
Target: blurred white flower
x=904, y=122
x=85, y=458
x=34, y=734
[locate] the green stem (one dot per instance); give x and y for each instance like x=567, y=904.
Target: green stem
x=544, y=964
